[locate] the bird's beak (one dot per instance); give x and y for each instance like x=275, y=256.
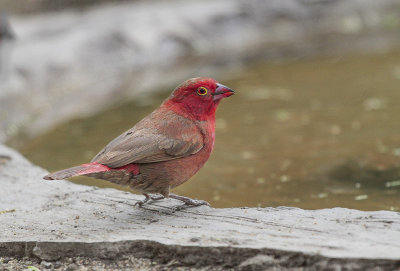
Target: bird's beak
x=222, y=92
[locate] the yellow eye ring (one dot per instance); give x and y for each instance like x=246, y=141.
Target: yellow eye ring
x=202, y=91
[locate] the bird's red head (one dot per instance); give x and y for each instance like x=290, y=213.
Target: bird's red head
x=198, y=98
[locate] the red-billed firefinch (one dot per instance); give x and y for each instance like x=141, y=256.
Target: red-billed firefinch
x=165, y=148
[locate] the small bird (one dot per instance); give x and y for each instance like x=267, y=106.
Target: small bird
x=163, y=150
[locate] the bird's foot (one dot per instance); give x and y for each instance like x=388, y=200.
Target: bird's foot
x=148, y=198
x=189, y=201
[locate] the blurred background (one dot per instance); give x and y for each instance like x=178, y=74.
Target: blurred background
x=314, y=123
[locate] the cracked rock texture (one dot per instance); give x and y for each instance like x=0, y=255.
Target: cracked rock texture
x=56, y=220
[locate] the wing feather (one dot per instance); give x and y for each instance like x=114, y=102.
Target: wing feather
x=173, y=137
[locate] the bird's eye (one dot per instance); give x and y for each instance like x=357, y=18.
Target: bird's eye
x=202, y=91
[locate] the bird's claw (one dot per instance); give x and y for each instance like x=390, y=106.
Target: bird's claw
x=193, y=203
x=140, y=203
x=197, y=202
x=188, y=201
x=147, y=199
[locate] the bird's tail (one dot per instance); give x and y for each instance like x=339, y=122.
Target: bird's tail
x=84, y=169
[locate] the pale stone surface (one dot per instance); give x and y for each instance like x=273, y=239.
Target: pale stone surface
x=53, y=220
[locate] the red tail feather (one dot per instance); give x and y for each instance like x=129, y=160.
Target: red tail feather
x=93, y=170
x=83, y=169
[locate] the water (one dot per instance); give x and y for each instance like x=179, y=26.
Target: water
x=312, y=133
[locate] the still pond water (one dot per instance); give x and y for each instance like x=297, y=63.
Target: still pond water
x=311, y=134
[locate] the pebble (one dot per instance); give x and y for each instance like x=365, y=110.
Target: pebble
x=72, y=267
x=46, y=265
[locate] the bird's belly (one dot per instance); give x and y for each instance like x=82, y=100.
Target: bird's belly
x=163, y=175
x=186, y=167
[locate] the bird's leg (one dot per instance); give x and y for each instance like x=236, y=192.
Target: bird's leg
x=141, y=202
x=148, y=198
x=156, y=197
x=189, y=201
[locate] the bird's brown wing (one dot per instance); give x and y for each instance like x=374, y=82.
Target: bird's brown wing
x=152, y=144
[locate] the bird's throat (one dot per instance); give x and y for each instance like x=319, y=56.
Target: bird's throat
x=201, y=112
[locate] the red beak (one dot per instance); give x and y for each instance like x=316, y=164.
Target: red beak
x=222, y=92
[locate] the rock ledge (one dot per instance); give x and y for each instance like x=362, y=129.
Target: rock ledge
x=54, y=220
